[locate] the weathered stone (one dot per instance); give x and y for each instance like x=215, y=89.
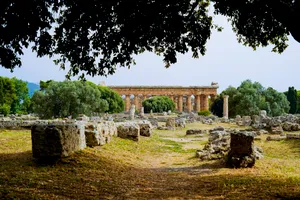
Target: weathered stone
x=132, y=112
x=180, y=123
x=217, y=146
x=50, y=142
x=241, y=154
x=162, y=128
x=289, y=126
x=154, y=122
x=292, y=136
x=142, y=113
x=217, y=128
x=128, y=130
x=99, y=133
x=261, y=132
x=276, y=130
x=82, y=117
x=255, y=119
x=275, y=138
x=247, y=121
x=258, y=151
x=263, y=113
x=170, y=123
x=207, y=121
x=240, y=123
x=238, y=118
x=145, y=128
x=195, y=131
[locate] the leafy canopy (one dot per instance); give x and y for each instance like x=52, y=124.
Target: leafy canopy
x=68, y=98
x=249, y=98
x=96, y=36
x=158, y=104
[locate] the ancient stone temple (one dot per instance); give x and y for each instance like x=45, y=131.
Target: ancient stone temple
x=188, y=99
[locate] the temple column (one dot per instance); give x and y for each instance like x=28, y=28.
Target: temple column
x=197, y=103
x=136, y=102
x=127, y=103
x=205, y=99
x=142, y=98
x=203, y=102
x=189, y=103
x=171, y=97
x=225, y=106
x=176, y=103
x=180, y=103
x=184, y=103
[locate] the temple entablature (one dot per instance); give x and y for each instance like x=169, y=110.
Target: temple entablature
x=190, y=98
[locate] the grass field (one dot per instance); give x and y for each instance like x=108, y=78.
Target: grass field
x=161, y=167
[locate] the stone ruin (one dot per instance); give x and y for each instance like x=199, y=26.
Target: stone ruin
x=237, y=147
x=54, y=139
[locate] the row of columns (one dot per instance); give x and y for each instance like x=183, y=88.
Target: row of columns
x=200, y=101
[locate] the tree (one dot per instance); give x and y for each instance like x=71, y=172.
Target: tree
x=68, y=98
x=158, y=104
x=217, y=106
x=249, y=98
x=276, y=103
x=45, y=84
x=7, y=95
x=298, y=101
x=115, y=102
x=291, y=95
x=262, y=22
x=96, y=36
x=21, y=104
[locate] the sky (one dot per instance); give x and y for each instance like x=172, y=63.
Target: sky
x=226, y=62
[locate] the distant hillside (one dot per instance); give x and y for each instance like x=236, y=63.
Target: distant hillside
x=32, y=87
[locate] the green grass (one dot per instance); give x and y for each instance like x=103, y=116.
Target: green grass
x=153, y=168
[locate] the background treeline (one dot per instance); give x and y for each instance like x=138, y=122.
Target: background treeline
x=14, y=96
x=251, y=97
x=58, y=99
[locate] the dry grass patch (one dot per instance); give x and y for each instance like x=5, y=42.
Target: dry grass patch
x=154, y=168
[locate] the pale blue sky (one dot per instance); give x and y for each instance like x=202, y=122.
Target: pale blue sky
x=226, y=62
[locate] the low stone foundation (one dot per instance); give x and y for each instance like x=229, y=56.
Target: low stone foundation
x=52, y=142
x=61, y=139
x=99, y=133
x=128, y=130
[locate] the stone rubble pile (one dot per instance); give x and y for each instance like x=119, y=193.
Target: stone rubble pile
x=221, y=145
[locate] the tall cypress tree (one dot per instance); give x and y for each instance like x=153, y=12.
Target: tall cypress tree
x=291, y=95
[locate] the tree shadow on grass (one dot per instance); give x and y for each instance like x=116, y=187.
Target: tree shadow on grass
x=92, y=175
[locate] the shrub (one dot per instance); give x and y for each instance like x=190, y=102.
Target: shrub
x=204, y=113
x=158, y=104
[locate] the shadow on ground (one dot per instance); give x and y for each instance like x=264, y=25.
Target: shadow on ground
x=92, y=175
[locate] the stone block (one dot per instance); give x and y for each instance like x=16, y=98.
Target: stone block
x=128, y=130
x=50, y=142
x=276, y=130
x=241, y=154
x=171, y=123
x=275, y=138
x=145, y=128
x=292, y=136
x=195, y=131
